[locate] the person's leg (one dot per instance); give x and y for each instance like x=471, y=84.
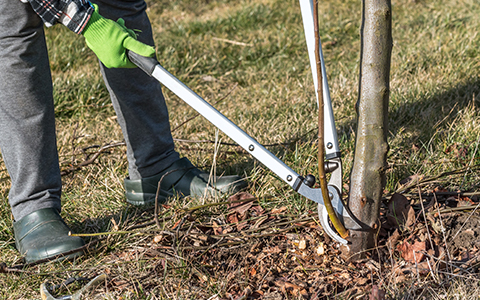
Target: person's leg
x=27, y=124
x=138, y=100
x=27, y=131
x=143, y=117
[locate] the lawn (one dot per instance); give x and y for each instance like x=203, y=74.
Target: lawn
x=249, y=58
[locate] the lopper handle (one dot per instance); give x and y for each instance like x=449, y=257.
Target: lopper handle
x=147, y=64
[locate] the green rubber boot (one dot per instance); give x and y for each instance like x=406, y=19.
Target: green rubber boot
x=43, y=234
x=183, y=179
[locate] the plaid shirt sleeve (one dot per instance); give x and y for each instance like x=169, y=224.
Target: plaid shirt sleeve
x=72, y=13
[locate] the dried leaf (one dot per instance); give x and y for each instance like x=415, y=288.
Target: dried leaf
x=257, y=210
x=158, y=238
x=217, y=229
x=410, y=218
x=440, y=189
x=361, y=281
x=273, y=250
x=277, y=211
x=241, y=207
x=458, y=150
x=119, y=284
x=393, y=239
x=413, y=253
x=411, y=179
x=115, y=225
x=377, y=293
x=302, y=244
x=464, y=201
x=400, y=213
x=176, y=224
x=292, y=288
x=320, y=249
x=241, y=225
x=232, y=218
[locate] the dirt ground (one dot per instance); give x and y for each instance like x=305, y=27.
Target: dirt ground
x=246, y=252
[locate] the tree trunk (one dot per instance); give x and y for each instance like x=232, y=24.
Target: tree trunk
x=367, y=179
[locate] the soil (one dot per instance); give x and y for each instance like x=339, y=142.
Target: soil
x=464, y=232
x=243, y=251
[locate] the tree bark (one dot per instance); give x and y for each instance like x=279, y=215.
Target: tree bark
x=367, y=179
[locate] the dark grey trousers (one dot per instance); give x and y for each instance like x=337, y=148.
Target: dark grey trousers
x=27, y=121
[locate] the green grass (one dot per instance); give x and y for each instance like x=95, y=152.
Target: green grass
x=434, y=117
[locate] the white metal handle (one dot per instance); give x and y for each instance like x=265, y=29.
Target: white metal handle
x=228, y=127
x=332, y=148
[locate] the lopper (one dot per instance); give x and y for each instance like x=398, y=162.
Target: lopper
x=302, y=185
x=91, y=285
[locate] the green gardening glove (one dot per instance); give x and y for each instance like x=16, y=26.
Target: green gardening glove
x=110, y=40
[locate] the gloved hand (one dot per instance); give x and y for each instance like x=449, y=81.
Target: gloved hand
x=109, y=40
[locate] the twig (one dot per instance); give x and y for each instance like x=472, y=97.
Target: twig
x=433, y=178
x=73, y=142
x=337, y=224
x=186, y=233
x=443, y=231
x=426, y=221
x=206, y=142
x=102, y=233
x=444, y=194
x=198, y=207
x=453, y=209
x=232, y=42
x=92, y=159
x=220, y=245
x=6, y=269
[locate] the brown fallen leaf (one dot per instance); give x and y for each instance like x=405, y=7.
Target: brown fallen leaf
x=232, y=218
x=292, y=288
x=361, y=281
x=235, y=218
x=422, y=268
x=176, y=224
x=217, y=229
x=277, y=211
x=400, y=213
x=119, y=284
x=464, y=201
x=411, y=179
x=158, y=238
x=257, y=210
x=413, y=253
x=241, y=207
x=377, y=293
x=458, y=150
x=393, y=239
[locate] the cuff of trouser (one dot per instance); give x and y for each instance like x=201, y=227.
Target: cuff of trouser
x=23, y=209
x=162, y=163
